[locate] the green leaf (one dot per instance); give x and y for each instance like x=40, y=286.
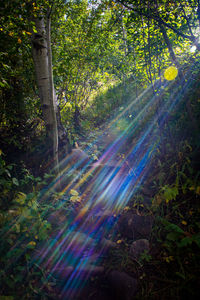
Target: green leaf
x=185, y=242
x=170, y=193
x=8, y=173
x=75, y=199
x=38, y=179
x=21, y=197
x=173, y=236
x=31, y=245
x=174, y=227
x=74, y=193
x=15, y=181
x=46, y=176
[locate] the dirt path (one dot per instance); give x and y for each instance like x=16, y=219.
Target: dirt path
x=100, y=225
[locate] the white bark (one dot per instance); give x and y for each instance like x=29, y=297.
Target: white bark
x=43, y=68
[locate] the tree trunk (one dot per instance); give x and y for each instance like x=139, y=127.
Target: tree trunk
x=52, y=94
x=42, y=56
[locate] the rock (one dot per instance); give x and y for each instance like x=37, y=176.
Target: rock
x=138, y=247
x=135, y=227
x=121, y=285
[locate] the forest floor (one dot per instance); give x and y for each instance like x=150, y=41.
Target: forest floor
x=115, y=268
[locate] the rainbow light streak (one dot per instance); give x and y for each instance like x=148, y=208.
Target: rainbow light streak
x=109, y=184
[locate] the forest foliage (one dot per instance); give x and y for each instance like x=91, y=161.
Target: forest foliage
x=102, y=56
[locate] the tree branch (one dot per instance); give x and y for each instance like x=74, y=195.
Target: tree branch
x=159, y=20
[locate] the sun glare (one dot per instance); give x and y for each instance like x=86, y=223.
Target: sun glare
x=171, y=73
x=193, y=49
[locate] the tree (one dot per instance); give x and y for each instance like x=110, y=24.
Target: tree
x=166, y=14
x=43, y=69
x=42, y=56
x=87, y=54
x=19, y=105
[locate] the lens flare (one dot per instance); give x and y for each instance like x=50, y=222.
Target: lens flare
x=171, y=73
x=193, y=49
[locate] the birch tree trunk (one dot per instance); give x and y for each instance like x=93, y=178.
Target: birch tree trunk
x=42, y=56
x=43, y=69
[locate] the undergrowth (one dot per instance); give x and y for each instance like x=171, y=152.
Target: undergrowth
x=171, y=269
